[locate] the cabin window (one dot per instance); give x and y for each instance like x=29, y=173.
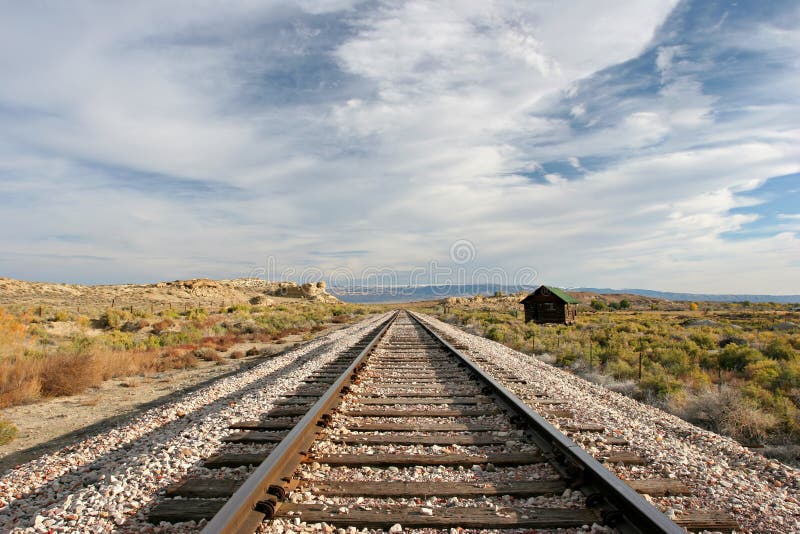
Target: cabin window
x=549, y=306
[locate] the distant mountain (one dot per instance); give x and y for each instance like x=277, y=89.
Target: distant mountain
x=693, y=296
x=377, y=295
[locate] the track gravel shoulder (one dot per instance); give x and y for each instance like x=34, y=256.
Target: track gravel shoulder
x=762, y=494
x=106, y=482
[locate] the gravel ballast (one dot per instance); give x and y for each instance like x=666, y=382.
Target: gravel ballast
x=108, y=481
x=762, y=494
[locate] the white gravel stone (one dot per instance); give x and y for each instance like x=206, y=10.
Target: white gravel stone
x=762, y=494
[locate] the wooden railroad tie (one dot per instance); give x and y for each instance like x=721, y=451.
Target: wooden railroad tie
x=437, y=489
x=413, y=412
x=384, y=517
x=388, y=460
x=266, y=424
x=421, y=427
x=403, y=438
x=478, y=399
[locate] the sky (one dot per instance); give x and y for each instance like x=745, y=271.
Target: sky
x=648, y=143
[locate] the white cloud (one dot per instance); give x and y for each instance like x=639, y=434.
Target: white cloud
x=423, y=137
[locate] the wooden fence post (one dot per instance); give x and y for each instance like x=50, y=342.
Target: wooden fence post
x=640, y=366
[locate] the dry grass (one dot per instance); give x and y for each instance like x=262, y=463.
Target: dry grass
x=68, y=374
x=728, y=412
x=27, y=379
x=207, y=355
x=7, y=432
x=20, y=381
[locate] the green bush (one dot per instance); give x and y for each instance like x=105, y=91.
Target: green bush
x=765, y=373
x=704, y=340
x=113, y=318
x=659, y=384
x=170, y=313
x=62, y=316
x=497, y=333
x=598, y=305
x=80, y=344
x=735, y=358
x=118, y=340
x=780, y=349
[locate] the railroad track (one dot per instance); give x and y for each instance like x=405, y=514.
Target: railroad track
x=405, y=429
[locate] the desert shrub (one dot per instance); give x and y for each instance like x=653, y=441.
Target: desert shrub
x=152, y=342
x=789, y=378
x=169, y=313
x=236, y=355
x=19, y=380
x=704, y=340
x=240, y=308
x=659, y=384
x=675, y=360
x=113, y=318
x=339, y=319
x=62, y=316
x=162, y=325
x=13, y=334
x=253, y=351
x=497, y=333
x=749, y=424
x=68, y=374
x=735, y=357
x=624, y=304
x=780, y=349
x=621, y=369
x=197, y=314
x=765, y=373
x=7, y=432
x=118, y=340
x=174, y=358
x=80, y=344
x=188, y=334
x=207, y=354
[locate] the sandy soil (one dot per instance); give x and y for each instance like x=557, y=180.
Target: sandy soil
x=55, y=423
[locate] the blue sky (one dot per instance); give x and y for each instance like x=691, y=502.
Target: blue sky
x=650, y=143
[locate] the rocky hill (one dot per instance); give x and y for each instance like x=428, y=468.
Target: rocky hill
x=178, y=293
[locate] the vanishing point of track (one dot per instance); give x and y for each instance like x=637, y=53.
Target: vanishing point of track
x=401, y=399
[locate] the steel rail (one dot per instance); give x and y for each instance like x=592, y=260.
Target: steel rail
x=257, y=498
x=621, y=506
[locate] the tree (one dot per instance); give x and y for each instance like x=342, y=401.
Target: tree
x=624, y=304
x=598, y=304
x=693, y=306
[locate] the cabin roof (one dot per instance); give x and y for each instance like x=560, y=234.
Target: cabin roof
x=560, y=293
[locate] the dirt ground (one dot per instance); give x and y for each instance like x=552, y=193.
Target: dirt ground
x=55, y=423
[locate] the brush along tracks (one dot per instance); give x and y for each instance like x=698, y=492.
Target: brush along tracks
x=405, y=429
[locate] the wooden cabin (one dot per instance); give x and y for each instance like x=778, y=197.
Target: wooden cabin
x=550, y=304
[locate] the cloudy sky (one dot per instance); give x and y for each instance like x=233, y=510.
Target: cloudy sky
x=647, y=143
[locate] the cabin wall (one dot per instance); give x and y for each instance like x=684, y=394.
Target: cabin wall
x=549, y=309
